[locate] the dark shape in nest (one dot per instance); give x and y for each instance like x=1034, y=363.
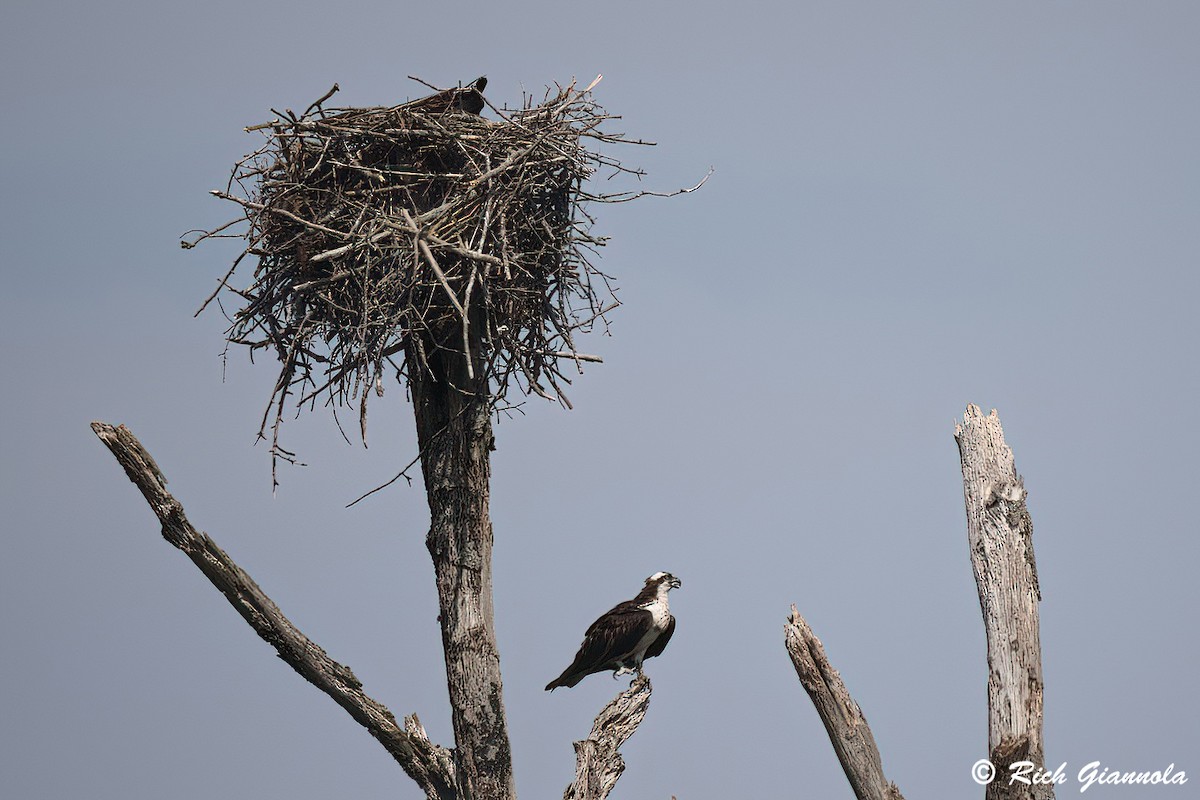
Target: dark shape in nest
x=375, y=225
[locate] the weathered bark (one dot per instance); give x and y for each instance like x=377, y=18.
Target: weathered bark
x=454, y=432
x=1000, y=537
x=430, y=765
x=598, y=764
x=844, y=721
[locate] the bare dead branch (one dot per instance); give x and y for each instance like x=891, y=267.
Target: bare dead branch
x=844, y=720
x=1000, y=538
x=317, y=103
x=627, y=196
x=430, y=765
x=598, y=764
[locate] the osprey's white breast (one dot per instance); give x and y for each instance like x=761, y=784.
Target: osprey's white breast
x=660, y=614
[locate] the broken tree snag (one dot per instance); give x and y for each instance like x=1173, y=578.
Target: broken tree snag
x=1000, y=538
x=430, y=765
x=844, y=720
x=598, y=762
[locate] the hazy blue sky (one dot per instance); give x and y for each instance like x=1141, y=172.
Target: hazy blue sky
x=915, y=206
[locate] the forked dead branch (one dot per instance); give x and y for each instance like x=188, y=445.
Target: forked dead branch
x=382, y=233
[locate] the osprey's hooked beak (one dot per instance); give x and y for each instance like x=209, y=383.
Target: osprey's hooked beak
x=675, y=583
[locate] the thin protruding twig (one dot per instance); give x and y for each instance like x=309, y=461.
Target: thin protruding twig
x=626, y=197
x=430, y=765
x=317, y=103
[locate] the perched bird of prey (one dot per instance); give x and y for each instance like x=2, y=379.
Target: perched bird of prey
x=627, y=635
x=470, y=97
x=467, y=98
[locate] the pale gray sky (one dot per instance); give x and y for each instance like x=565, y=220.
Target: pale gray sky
x=915, y=206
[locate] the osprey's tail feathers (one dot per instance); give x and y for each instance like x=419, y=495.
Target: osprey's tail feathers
x=567, y=679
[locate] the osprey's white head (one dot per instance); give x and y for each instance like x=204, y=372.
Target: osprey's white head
x=653, y=597
x=664, y=580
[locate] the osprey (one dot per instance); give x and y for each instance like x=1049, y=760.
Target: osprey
x=467, y=98
x=627, y=635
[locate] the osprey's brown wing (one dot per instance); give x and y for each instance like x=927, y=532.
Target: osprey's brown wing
x=608, y=641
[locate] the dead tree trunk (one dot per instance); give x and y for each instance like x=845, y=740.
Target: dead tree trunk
x=1000, y=537
x=454, y=431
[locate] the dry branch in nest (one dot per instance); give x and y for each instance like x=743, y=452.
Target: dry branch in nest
x=385, y=231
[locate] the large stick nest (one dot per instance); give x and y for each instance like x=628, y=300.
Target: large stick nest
x=377, y=228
